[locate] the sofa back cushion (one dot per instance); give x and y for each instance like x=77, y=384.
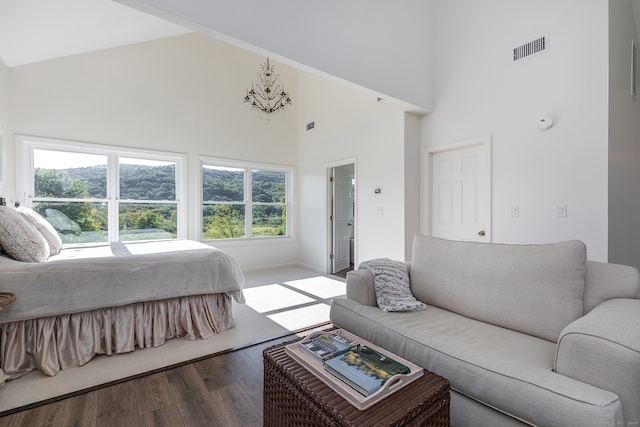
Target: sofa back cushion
x=534, y=289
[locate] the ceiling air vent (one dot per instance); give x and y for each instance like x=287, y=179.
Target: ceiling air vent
x=534, y=47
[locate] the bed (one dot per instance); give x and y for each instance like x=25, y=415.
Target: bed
x=107, y=298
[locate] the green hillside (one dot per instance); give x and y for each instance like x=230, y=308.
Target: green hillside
x=139, y=183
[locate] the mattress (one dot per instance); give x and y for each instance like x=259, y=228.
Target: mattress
x=90, y=276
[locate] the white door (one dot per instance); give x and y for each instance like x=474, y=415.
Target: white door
x=342, y=217
x=460, y=194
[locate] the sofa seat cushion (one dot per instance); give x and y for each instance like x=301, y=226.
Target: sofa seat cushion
x=534, y=289
x=497, y=367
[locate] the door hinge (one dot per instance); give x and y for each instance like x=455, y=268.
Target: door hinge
x=330, y=179
x=330, y=217
x=331, y=256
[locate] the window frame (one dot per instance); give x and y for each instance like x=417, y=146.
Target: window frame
x=247, y=199
x=26, y=180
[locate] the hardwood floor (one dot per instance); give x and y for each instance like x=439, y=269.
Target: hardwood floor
x=224, y=390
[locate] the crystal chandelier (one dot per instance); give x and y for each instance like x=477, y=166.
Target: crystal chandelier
x=267, y=98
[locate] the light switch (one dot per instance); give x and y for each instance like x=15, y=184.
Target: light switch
x=379, y=210
x=561, y=211
x=515, y=211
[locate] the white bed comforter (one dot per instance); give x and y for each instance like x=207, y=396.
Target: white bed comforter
x=90, y=276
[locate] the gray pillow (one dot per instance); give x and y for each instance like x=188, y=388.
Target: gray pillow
x=392, y=285
x=42, y=225
x=19, y=239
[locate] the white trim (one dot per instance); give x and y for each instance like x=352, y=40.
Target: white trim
x=25, y=144
x=485, y=141
x=241, y=164
x=342, y=162
x=289, y=171
x=329, y=194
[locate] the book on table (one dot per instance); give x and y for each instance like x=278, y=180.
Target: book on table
x=407, y=372
x=365, y=369
x=326, y=345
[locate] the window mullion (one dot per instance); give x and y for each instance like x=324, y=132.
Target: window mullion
x=248, y=204
x=113, y=188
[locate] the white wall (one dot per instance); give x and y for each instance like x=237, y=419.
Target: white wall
x=350, y=124
x=478, y=91
x=412, y=179
x=624, y=138
x=4, y=122
x=181, y=94
x=4, y=95
x=381, y=45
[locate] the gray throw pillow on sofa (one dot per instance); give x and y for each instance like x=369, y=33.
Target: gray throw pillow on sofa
x=392, y=285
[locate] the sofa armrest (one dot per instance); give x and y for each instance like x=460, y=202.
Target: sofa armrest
x=360, y=287
x=603, y=349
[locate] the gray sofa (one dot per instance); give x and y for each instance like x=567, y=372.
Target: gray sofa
x=526, y=334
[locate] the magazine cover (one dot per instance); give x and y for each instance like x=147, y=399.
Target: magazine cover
x=365, y=369
x=328, y=345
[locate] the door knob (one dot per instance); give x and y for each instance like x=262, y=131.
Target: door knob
x=481, y=233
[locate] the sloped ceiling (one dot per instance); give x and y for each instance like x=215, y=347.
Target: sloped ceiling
x=36, y=30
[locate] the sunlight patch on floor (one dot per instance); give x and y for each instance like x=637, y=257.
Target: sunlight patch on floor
x=295, y=300
x=273, y=297
x=320, y=286
x=302, y=317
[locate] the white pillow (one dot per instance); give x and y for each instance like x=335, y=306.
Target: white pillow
x=42, y=225
x=19, y=239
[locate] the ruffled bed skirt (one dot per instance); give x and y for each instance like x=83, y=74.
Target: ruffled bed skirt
x=51, y=344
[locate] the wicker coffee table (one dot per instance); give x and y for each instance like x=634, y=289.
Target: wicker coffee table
x=295, y=396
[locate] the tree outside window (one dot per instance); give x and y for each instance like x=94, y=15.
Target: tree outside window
x=74, y=192
x=243, y=202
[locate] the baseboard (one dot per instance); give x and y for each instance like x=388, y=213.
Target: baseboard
x=269, y=267
x=312, y=268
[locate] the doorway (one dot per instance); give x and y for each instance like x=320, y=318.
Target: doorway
x=461, y=191
x=342, y=180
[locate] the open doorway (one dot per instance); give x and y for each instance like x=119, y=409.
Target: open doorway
x=342, y=218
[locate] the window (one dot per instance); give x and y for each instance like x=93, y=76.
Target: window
x=244, y=201
x=95, y=193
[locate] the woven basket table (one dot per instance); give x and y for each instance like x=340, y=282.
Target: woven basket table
x=293, y=396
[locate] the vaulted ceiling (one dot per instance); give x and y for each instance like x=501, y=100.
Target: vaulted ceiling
x=36, y=30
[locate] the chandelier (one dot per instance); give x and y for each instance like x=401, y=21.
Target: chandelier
x=267, y=98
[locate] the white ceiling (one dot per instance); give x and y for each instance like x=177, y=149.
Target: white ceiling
x=36, y=30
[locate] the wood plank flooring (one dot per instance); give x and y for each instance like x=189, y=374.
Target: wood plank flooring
x=223, y=390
